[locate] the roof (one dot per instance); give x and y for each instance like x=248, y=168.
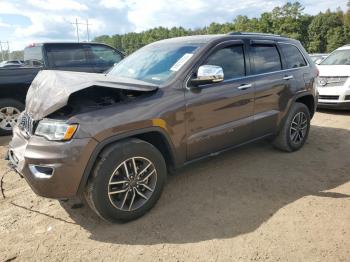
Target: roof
x=63, y=43
x=202, y=39
x=344, y=47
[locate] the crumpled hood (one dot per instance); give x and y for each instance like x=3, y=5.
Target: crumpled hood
x=50, y=90
x=334, y=70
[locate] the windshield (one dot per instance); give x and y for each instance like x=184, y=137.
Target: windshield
x=338, y=57
x=155, y=63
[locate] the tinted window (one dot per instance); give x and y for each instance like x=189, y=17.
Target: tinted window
x=66, y=56
x=293, y=56
x=231, y=59
x=104, y=55
x=265, y=59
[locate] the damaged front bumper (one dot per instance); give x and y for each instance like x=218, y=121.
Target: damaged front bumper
x=52, y=169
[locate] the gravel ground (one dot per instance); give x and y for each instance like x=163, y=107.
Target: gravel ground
x=251, y=204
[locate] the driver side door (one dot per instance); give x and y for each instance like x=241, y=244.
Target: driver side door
x=220, y=115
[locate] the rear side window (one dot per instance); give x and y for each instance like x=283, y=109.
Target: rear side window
x=266, y=58
x=294, y=58
x=231, y=59
x=33, y=56
x=66, y=56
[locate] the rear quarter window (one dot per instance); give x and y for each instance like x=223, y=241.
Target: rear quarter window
x=293, y=56
x=33, y=56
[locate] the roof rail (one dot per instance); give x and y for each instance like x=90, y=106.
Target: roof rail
x=252, y=33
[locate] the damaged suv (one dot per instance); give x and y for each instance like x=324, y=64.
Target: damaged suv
x=113, y=138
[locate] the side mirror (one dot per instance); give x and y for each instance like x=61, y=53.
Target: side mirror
x=208, y=74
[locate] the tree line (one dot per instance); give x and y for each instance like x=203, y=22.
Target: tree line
x=321, y=33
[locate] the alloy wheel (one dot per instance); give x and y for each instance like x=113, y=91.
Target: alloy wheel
x=298, y=128
x=132, y=183
x=8, y=117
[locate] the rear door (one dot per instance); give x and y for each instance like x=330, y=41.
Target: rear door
x=219, y=115
x=272, y=90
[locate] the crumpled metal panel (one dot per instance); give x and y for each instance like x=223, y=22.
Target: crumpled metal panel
x=50, y=90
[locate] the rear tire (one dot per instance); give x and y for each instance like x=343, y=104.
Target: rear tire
x=9, y=112
x=295, y=129
x=126, y=181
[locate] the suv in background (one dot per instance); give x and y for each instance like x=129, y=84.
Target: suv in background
x=334, y=81
x=15, y=80
x=113, y=138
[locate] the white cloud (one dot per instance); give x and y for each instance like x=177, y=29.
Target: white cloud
x=116, y=4
x=27, y=21
x=2, y=24
x=58, y=5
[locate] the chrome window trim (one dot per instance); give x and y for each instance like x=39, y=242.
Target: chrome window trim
x=261, y=74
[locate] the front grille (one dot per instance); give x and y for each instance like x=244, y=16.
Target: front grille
x=329, y=97
x=330, y=81
x=26, y=123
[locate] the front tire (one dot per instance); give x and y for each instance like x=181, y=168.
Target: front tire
x=126, y=181
x=295, y=129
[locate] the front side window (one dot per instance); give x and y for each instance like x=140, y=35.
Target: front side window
x=104, y=55
x=156, y=63
x=231, y=59
x=293, y=56
x=266, y=58
x=338, y=57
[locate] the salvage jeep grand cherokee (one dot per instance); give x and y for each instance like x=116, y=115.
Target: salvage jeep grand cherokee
x=114, y=137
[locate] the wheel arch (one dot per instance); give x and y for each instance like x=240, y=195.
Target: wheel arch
x=9, y=91
x=308, y=100
x=154, y=135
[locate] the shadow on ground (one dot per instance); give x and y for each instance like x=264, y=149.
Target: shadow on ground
x=233, y=193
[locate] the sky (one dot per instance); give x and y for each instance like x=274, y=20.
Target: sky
x=23, y=22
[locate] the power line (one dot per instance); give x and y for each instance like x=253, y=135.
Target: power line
x=77, y=23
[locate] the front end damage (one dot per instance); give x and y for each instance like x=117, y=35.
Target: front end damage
x=53, y=168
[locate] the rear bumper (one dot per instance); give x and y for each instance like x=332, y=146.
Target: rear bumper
x=52, y=169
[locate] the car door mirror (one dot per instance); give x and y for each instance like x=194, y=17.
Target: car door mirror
x=207, y=74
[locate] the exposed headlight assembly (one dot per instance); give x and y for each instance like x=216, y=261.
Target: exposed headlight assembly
x=55, y=130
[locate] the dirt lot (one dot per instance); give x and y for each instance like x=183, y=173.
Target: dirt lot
x=251, y=204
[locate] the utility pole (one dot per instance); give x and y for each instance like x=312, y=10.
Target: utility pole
x=76, y=23
x=87, y=30
x=77, y=27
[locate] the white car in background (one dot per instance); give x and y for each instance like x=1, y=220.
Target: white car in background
x=318, y=58
x=333, y=83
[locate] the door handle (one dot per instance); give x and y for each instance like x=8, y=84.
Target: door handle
x=244, y=86
x=288, y=77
